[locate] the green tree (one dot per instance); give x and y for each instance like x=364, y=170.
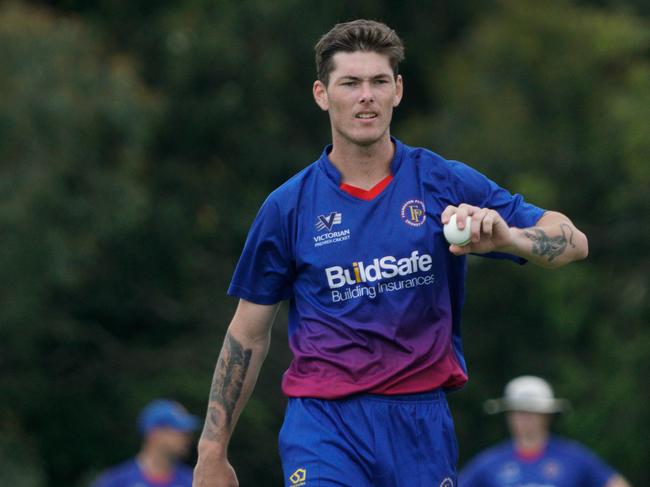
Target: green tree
x=74, y=126
x=549, y=99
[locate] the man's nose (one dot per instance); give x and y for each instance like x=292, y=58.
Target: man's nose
x=366, y=93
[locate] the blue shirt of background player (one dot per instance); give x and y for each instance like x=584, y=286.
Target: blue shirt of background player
x=166, y=427
x=129, y=474
x=563, y=463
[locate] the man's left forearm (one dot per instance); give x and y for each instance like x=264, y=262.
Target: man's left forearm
x=553, y=242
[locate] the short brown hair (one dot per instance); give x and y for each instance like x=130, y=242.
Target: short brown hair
x=357, y=35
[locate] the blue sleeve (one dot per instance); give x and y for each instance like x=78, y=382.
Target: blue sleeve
x=264, y=274
x=596, y=473
x=475, y=189
x=184, y=476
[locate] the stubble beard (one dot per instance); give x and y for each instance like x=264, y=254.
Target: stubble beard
x=360, y=141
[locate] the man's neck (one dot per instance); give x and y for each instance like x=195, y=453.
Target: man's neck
x=531, y=445
x=362, y=166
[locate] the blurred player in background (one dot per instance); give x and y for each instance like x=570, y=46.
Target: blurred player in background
x=166, y=429
x=355, y=242
x=535, y=457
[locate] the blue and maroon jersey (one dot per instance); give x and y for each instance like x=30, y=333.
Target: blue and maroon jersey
x=562, y=463
x=375, y=295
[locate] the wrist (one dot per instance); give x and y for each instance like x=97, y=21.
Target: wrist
x=513, y=245
x=212, y=449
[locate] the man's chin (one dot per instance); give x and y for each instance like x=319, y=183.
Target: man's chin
x=366, y=140
x=178, y=454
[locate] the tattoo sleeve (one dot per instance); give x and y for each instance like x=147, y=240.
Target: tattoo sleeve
x=227, y=384
x=550, y=247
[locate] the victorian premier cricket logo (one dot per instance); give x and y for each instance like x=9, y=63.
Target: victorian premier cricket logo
x=380, y=275
x=323, y=222
x=328, y=222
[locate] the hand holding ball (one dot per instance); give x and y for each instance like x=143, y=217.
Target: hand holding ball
x=456, y=236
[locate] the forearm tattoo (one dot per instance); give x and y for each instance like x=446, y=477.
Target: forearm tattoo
x=550, y=247
x=227, y=384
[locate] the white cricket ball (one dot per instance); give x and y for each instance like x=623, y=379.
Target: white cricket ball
x=456, y=236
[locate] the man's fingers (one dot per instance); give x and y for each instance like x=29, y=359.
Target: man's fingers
x=483, y=220
x=464, y=210
x=446, y=214
x=489, y=222
x=458, y=250
x=477, y=220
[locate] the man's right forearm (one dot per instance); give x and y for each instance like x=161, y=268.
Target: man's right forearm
x=234, y=378
x=242, y=354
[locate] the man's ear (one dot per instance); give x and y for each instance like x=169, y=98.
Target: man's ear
x=399, y=90
x=320, y=95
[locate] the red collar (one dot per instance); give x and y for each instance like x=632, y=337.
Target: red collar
x=367, y=194
x=530, y=455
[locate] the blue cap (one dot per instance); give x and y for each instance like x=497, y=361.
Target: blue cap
x=163, y=413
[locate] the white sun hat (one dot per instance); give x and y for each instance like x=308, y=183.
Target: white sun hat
x=527, y=393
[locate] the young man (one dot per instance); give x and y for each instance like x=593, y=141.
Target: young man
x=354, y=241
x=534, y=456
x=166, y=429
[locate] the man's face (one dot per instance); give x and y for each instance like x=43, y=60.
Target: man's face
x=360, y=96
x=171, y=442
x=523, y=424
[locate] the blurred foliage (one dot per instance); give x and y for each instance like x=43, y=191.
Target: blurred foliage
x=20, y=465
x=74, y=126
x=541, y=98
x=138, y=139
